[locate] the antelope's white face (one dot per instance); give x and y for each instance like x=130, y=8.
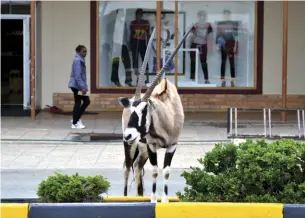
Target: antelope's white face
x=139, y=121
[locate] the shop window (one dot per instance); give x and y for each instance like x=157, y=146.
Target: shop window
x=222, y=54
x=124, y=30
x=220, y=50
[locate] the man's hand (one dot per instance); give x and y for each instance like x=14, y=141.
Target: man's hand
x=83, y=92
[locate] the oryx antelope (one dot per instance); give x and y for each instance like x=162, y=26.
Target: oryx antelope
x=156, y=119
x=133, y=158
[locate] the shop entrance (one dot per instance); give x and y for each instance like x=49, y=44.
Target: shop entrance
x=15, y=67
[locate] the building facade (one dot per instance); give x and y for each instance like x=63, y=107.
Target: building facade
x=239, y=42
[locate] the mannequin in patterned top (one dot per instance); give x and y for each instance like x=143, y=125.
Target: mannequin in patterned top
x=226, y=40
x=139, y=36
x=201, y=30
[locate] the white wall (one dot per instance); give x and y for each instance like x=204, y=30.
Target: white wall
x=296, y=48
x=67, y=24
x=64, y=26
x=273, y=30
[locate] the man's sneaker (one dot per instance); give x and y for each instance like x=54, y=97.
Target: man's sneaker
x=77, y=126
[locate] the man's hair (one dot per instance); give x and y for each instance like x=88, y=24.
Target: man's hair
x=79, y=48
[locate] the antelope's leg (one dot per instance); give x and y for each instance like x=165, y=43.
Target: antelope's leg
x=129, y=156
x=170, y=151
x=152, y=154
x=138, y=166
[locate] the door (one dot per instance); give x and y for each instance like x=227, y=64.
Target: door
x=15, y=58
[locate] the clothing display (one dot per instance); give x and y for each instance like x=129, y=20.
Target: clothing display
x=138, y=42
x=200, y=37
x=226, y=38
x=115, y=67
x=203, y=51
x=170, y=66
x=224, y=55
x=123, y=43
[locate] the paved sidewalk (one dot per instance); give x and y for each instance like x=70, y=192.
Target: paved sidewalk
x=198, y=127
x=57, y=127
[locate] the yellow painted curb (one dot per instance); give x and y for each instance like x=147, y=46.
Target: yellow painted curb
x=219, y=210
x=14, y=210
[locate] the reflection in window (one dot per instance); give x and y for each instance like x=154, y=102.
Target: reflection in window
x=219, y=52
x=124, y=31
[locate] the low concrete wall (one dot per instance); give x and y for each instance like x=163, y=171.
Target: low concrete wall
x=294, y=211
x=92, y=210
x=149, y=210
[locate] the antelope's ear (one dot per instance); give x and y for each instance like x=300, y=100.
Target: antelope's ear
x=124, y=102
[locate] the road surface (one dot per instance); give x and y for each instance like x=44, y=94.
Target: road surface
x=24, y=183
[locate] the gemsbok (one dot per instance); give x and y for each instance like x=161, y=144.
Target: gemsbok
x=155, y=121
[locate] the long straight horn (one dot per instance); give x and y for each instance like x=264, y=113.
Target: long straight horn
x=144, y=64
x=160, y=74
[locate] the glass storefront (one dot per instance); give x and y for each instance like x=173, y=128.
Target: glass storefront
x=220, y=51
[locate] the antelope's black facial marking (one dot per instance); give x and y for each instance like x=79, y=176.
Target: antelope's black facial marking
x=137, y=126
x=136, y=103
x=138, y=120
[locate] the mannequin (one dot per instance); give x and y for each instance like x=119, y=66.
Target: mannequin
x=123, y=43
x=201, y=30
x=226, y=40
x=138, y=40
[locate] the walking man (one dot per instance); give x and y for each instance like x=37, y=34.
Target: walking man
x=79, y=87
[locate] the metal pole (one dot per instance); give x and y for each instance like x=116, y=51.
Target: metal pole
x=269, y=116
x=176, y=42
x=303, y=123
x=228, y=121
x=32, y=73
x=284, y=59
x=231, y=119
x=235, y=121
x=265, y=123
x=299, y=123
x=158, y=36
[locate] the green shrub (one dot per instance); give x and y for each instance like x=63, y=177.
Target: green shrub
x=251, y=172
x=74, y=188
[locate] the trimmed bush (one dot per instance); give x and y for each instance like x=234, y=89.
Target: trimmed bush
x=254, y=171
x=75, y=188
